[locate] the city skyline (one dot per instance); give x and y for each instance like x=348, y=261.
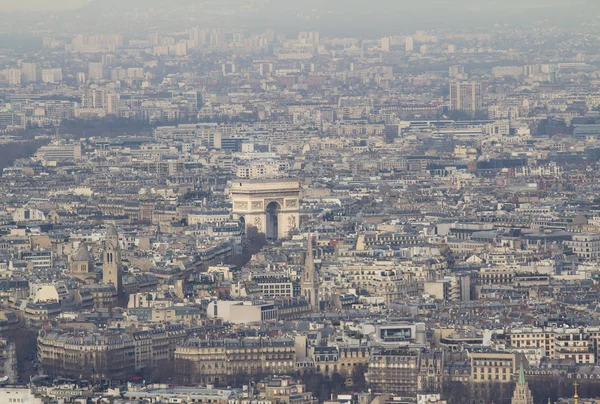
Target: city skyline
x=300, y=202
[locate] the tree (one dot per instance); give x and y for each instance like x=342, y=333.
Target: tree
x=25, y=341
x=255, y=241
x=359, y=382
x=13, y=151
x=338, y=383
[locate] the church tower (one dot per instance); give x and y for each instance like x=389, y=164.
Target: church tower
x=522, y=394
x=310, y=278
x=111, y=263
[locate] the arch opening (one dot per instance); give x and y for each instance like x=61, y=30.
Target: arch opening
x=272, y=212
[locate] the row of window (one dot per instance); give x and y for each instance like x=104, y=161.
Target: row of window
x=489, y=370
x=507, y=363
x=489, y=377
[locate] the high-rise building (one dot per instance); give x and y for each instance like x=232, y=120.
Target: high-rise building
x=109, y=59
x=522, y=394
x=178, y=49
x=310, y=278
x=95, y=71
x=309, y=38
x=385, y=44
x=455, y=71
x=50, y=76
x=465, y=96
x=14, y=77
x=111, y=263
x=135, y=73
x=409, y=44
x=81, y=78
x=101, y=98
x=192, y=98
x=29, y=72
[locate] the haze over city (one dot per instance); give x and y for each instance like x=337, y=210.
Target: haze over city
x=299, y=202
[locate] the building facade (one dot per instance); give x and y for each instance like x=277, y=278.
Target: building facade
x=215, y=361
x=466, y=96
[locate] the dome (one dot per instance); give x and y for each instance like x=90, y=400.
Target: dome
x=82, y=254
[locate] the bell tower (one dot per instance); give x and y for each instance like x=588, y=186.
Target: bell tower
x=111, y=262
x=310, y=278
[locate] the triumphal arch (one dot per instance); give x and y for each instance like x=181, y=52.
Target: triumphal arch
x=269, y=205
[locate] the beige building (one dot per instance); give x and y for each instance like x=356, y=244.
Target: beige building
x=82, y=265
x=174, y=394
x=500, y=367
x=394, y=371
x=24, y=395
x=262, y=169
x=86, y=355
x=214, y=361
x=60, y=152
x=201, y=217
x=559, y=343
x=111, y=265
x=285, y=390
x=156, y=347
x=242, y=312
x=103, y=296
x=452, y=288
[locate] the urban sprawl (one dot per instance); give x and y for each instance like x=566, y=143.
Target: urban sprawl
x=228, y=216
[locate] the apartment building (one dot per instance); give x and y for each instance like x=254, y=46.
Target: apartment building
x=393, y=371
x=214, y=361
x=499, y=367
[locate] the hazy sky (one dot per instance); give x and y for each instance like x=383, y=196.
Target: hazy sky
x=40, y=5
x=341, y=17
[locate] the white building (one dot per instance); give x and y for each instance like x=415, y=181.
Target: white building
x=51, y=76
x=238, y=312
x=586, y=246
x=30, y=72
x=95, y=71
x=21, y=395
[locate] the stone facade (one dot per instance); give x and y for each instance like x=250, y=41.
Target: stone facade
x=215, y=361
x=86, y=355
x=258, y=202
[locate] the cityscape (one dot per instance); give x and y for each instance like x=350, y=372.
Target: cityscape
x=300, y=202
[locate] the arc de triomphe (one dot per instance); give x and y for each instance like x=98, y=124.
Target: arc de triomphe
x=269, y=205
